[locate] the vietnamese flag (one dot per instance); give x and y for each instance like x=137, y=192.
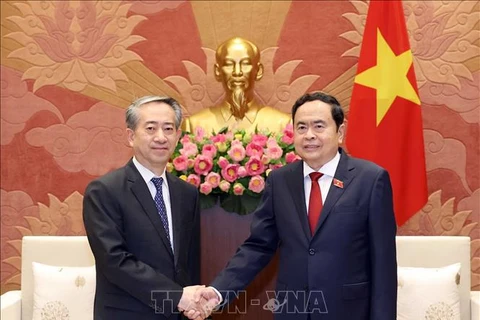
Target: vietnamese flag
x=385, y=117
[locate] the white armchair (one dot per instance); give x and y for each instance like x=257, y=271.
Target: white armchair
x=440, y=251
x=412, y=251
x=51, y=250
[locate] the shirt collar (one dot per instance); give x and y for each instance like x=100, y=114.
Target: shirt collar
x=327, y=169
x=146, y=174
x=226, y=113
x=250, y=115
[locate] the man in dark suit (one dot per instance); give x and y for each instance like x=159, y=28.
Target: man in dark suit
x=331, y=218
x=143, y=223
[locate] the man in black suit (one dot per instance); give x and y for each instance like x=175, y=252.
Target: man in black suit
x=331, y=218
x=143, y=223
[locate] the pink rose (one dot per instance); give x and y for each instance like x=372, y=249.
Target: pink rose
x=218, y=138
x=236, y=142
x=238, y=189
x=213, y=179
x=189, y=149
x=272, y=142
x=254, y=166
x=254, y=149
x=224, y=185
x=237, y=152
x=180, y=163
x=222, y=162
x=274, y=152
x=288, y=134
x=259, y=139
x=190, y=163
x=256, y=184
x=199, y=133
x=185, y=139
x=291, y=157
x=275, y=166
x=193, y=179
x=229, y=173
x=209, y=150
x=229, y=135
x=205, y=188
x=202, y=165
x=242, y=172
x=265, y=159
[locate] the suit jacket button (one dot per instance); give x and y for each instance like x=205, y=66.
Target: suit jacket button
x=311, y=252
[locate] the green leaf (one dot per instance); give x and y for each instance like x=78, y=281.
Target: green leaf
x=223, y=130
x=242, y=205
x=207, y=201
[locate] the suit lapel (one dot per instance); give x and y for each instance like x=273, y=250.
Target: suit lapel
x=177, y=216
x=297, y=190
x=141, y=192
x=344, y=173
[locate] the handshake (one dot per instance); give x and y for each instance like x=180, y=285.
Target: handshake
x=198, y=302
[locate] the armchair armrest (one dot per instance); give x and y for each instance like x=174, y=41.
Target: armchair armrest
x=11, y=303
x=475, y=304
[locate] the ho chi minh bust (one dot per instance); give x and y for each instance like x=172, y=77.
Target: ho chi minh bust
x=237, y=68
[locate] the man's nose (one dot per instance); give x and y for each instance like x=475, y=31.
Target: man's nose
x=237, y=70
x=310, y=134
x=160, y=136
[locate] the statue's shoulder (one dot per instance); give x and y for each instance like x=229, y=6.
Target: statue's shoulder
x=272, y=109
x=206, y=112
x=274, y=112
x=201, y=118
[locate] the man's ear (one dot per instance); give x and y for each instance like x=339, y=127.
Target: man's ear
x=260, y=71
x=179, y=134
x=130, y=136
x=216, y=70
x=341, y=133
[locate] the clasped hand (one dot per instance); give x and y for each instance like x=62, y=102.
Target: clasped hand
x=198, y=302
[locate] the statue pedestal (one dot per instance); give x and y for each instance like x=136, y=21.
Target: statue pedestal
x=221, y=234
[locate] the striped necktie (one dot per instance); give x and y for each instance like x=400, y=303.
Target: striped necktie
x=160, y=204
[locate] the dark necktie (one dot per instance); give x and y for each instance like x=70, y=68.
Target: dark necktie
x=162, y=210
x=315, y=203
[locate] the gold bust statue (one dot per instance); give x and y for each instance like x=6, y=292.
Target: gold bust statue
x=238, y=67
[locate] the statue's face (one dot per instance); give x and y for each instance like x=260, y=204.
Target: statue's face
x=237, y=68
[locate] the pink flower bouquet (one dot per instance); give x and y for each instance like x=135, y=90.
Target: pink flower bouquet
x=231, y=167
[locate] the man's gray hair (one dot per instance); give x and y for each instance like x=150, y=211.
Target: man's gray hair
x=132, y=117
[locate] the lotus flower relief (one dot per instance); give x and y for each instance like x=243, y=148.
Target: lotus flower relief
x=75, y=43
x=58, y=218
x=437, y=218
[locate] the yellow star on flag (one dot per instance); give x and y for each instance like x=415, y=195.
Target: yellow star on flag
x=389, y=77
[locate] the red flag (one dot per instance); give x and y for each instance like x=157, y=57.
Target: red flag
x=385, y=119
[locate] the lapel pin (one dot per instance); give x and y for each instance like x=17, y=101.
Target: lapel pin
x=337, y=183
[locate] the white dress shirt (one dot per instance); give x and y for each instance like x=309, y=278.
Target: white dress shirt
x=328, y=170
x=147, y=175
